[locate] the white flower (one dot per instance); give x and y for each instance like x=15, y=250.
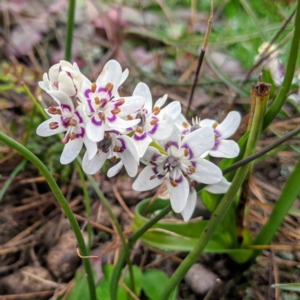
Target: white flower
x=155, y=124
x=103, y=103
x=181, y=163
x=223, y=147
x=113, y=146
x=63, y=77
x=64, y=117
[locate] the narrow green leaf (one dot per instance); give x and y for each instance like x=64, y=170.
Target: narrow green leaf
x=287, y=286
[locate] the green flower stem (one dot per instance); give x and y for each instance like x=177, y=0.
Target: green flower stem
x=262, y=91
x=118, y=227
x=134, y=237
x=87, y=204
x=62, y=202
x=288, y=78
x=70, y=27
x=289, y=194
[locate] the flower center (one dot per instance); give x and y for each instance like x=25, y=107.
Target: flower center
x=105, y=143
x=171, y=163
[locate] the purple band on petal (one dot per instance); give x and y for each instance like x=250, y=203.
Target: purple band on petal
x=79, y=116
x=90, y=106
x=217, y=143
x=178, y=180
x=154, y=128
x=112, y=119
x=123, y=145
x=94, y=121
x=217, y=133
x=81, y=134
x=186, y=146
x=63, y=106
x=185, y=131
x=175, y=144
x=87, y=93
x=155, y=156
x=112, y=131
x=140, y=137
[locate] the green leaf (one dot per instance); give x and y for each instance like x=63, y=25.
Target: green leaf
x=183, y=236
x=81, y=289
x=287, y=286
x=103, y=287
x=153, y=283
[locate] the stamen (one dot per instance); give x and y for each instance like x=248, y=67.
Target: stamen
x=73, y=136
x=154, y=121
x=72, y=122
x=116, y=149
x=52, y=110
x=120, y=102
x=173, y=183
x=156, y=110
x=139, y=130
x=66, y=138
x=129, y=117
x=53, y=125
x=109, y=87
x=215, y=125
x=186, y=152
x=101, y=115
x=115, y=111
x=55, y=84
x=94, y=87
x=97, y=100
x=113, y=159
x=152, y=177
x=185, y=124
x=191, y=169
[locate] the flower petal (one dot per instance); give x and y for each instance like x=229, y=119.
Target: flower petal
x=95, y=129
x=143, y=90
x=71, y=151
x=230, y=124
x=124, y=76
x=199, y=141
x=143, y=181
x=115, y=169
x=220, y=187
x=206, y=172
x=179, y=193
x=92, y=166
x=66, y=84
x=44, y=128
x=154, y=156
x=142, y=141
x=129, y=156
x=161, y=101
x=226, y=148
x=190, y=205
x=207, y=122
x=63, y=99
x=173, y=109
x=131, y=105
x=91, y=147
x=111, y=73
x=160, y=130
x=116, y=122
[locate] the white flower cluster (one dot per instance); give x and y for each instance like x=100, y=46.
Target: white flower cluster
x=130, y=130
